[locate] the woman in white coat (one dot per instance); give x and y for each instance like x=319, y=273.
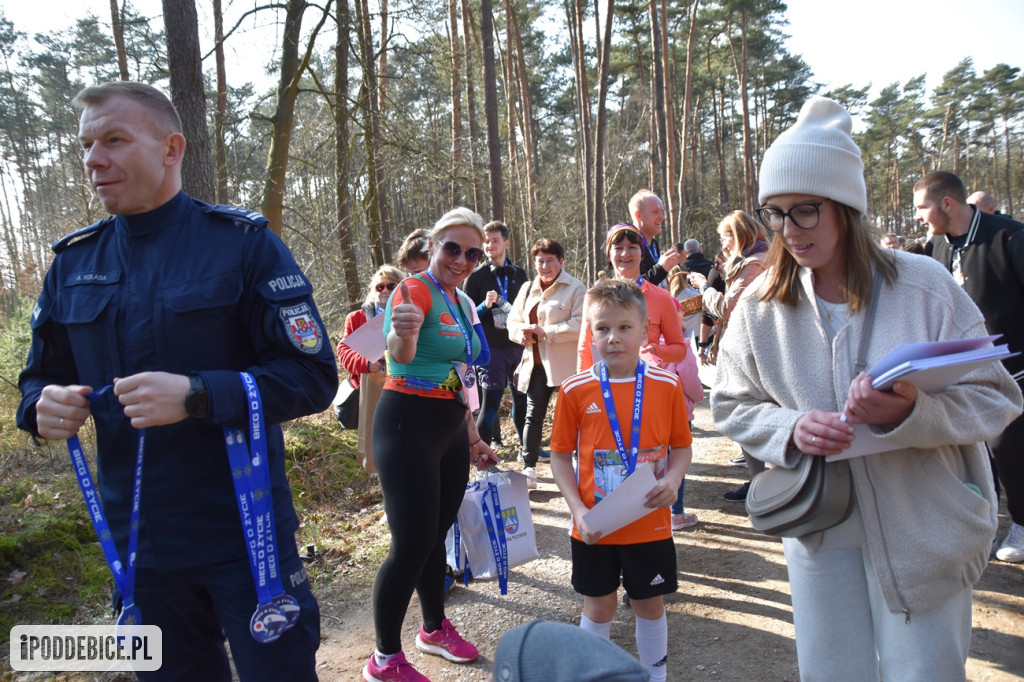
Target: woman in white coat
x=546, y=319
x=887, y=591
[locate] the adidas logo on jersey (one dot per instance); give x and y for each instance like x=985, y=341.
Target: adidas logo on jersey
x=657, y=580
x=593, y=409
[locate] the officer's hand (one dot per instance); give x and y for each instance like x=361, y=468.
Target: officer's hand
x=61, y=411
x=153, y=398
x=406, y=317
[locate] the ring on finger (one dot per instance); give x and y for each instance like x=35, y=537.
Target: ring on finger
x=814, y=440
x=62, y=422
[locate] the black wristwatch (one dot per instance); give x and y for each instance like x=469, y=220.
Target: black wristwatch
x=197, y=400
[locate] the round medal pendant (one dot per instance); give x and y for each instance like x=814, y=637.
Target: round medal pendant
x=470, y=380
x=130, y=615
x=267, y=623
x=289, y=607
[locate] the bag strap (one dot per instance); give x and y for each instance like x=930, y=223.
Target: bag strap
x=869, y=323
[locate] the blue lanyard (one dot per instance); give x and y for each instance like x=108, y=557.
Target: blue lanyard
x=502, y=287
x=650, y=247
x=613, y=418
x=276, y=610
x=466, y=333
x=496, y=533
x=123, y=579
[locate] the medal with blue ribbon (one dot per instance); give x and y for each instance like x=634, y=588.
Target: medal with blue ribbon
x=276, y=610
x=629, y=457
x=469, y=380
x=124, y=578
x=496, y=534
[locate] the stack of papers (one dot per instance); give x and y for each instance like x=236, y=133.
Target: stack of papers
x=930, y=367
x=933, y=366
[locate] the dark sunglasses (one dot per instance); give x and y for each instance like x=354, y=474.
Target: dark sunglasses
x=390, y=286
x=473, y=255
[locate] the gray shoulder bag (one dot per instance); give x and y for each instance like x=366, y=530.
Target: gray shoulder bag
x=815, y=494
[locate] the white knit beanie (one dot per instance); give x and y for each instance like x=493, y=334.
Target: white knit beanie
x=816, y=156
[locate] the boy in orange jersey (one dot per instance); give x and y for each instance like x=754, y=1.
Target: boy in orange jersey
x=598, y=416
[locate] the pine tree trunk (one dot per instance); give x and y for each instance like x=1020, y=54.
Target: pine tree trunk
x=491, y=110
x=342, y=149
x=455, y=193
x=186, y=70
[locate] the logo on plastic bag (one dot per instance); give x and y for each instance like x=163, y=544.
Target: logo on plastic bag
x=510, y=517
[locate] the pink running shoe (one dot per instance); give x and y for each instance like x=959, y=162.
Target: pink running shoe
x=446, y=642
x=396, y=669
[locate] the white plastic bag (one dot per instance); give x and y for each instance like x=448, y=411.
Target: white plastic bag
x=492, y=542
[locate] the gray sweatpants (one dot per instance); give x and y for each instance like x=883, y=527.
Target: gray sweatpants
x=845, y=631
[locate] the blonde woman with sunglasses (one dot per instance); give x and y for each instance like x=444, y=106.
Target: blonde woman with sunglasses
x=424, y=439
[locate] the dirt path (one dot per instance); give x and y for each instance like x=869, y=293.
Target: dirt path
x=730, y=620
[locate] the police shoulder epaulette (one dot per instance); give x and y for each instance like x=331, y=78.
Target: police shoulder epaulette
x=240, y=216
x=79, y=235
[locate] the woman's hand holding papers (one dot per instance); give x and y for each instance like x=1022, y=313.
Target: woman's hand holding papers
x=822, y=433
x=865, y=405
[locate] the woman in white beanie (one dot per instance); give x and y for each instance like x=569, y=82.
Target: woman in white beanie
x=887, y=591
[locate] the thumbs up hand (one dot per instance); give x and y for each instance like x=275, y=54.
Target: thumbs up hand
x=406, y=317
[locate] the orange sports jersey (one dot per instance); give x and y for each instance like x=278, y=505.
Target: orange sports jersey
x=581, y=425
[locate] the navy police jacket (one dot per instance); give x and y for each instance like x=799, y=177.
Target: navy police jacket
x=186, y=288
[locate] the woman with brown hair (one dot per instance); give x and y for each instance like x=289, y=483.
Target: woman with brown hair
x=545, y=319
x=745, y=244
x=886, y=592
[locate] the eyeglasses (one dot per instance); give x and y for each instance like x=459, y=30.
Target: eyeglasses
x=381, y=286
x=473, y=255
x=805, y=216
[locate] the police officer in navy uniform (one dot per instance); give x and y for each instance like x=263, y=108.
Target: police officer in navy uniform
x=170, y=299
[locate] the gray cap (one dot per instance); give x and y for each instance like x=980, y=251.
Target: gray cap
x=544, y=652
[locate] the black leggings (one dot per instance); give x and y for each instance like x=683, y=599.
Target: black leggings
x=421, y=450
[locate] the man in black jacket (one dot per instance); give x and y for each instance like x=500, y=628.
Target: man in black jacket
x=696, y=261
x=493, y=287
x=648, y=214
x=985, y=254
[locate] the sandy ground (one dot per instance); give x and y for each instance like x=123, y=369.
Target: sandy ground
x=731, y=618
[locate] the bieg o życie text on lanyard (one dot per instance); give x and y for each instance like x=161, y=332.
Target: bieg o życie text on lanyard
x=629, y=457
x=124, y=578
x=276, y=611
x=469, y=381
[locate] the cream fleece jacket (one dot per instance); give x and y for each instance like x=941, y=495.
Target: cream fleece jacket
x=560, y=313
x=928, y=534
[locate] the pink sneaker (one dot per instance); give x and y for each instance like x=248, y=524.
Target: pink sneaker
x=446, y=642
x=396, y=669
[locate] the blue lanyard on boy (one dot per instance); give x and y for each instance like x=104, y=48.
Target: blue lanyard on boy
x=613, y=419
x=467, y=331
x=123, y=579
x=276, y=610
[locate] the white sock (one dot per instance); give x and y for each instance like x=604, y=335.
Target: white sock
x=652, y=644
x=382, y=659
x=602, y=629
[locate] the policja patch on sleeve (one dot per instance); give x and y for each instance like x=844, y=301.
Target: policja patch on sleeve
x=302, y=328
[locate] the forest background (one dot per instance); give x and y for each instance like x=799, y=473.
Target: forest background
x=546, y=114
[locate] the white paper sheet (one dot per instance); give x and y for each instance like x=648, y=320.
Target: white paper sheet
x=625, y=504
x=931, y=367
x=368, y=340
